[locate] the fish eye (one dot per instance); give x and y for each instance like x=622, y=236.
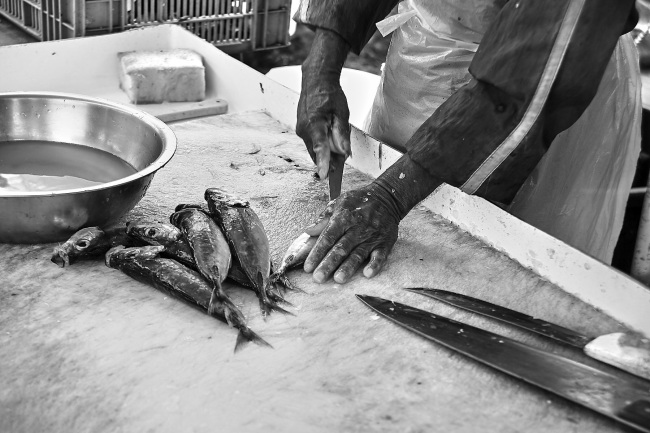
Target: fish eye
x=82, y=244
x=151, y=232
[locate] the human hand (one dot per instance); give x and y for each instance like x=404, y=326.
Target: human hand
x=360, y=224
x=323, y=113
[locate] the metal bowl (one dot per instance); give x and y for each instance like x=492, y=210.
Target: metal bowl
x=138, y=138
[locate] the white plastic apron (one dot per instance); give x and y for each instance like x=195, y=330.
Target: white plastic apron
x=579, y=189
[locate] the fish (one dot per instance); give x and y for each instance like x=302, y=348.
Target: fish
x=295, y=255
x=169, y=276
x=177, y=248
x=167, y=235
x=238, y=275
x=211, y=253
x=89, y=243
x=248, y=242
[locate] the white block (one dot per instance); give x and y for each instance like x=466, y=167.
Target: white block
x=150, y=77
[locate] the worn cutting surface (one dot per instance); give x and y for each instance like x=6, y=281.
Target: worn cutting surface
x=86, y=348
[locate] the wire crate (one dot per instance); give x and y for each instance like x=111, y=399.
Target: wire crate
x=232, y=25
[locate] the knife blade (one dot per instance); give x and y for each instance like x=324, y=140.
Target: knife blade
x=335, y=177
x=626, y=400
x=627, y=352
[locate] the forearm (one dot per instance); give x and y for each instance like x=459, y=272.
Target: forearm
x=488, y=136
x=326, y=57
x=405, y=184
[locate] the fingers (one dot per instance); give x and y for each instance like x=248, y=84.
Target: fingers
x=377, y=261
x=351, y=264
x=341, y=137
x=325, y=137
x=344, y=264
x=316, y=135
x=328, y=238
x=323, y=219
x=317, y=228
x=320, y=136
x=334, y=257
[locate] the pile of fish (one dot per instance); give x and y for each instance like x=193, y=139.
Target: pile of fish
x=191, y=257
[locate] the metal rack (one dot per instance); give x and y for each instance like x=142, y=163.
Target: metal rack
x=233, y=25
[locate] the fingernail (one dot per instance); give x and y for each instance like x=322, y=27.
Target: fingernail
x=340, y=277
x=368, y=272
x=308, y=267
x=319, y=277
x=323, y=172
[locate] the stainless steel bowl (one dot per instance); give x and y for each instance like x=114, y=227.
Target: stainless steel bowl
x=138, y=138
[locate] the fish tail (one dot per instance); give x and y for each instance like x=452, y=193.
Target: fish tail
x=276, y=307
x=246, y=335
x=234, y=317
x=216, y=297
x=218, y=294
x=267, y=306
x=277, y=298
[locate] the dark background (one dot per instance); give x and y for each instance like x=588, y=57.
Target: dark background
x=369, y=60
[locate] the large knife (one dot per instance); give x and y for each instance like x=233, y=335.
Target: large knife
x=625, y=351
x=335, y=177
x=626, y=400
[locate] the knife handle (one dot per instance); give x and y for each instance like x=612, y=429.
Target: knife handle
x=627, y=352
x=637, y=413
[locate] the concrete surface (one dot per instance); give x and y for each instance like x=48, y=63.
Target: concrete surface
x=87, y=348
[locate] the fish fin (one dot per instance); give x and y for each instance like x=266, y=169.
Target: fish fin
x=277, y=297
x=262, y=295
x=275, y=307
x=288, y=285
x=265, y=307
x=60, y=258
x=233, y=315
x=274, y=292
x=246, y=335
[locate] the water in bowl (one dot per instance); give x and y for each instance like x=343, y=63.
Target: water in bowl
x=35, y=166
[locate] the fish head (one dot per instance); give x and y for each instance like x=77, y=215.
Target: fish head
x=84, y=242
x=121, y=254
x=177, y=217
x=153, y=233
x=190, y=206
x=217, y=195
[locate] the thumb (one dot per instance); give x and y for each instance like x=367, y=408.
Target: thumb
x=317, y=228
x=323, y=219
x=320, y=139
x=341, y=137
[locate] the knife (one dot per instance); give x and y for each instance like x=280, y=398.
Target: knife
x=626, y=400
x=625, y=351
x=335, y=176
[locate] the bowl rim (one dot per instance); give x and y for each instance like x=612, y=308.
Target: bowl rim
x=167, y=136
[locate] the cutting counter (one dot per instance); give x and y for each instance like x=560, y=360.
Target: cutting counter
x=86, y=348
